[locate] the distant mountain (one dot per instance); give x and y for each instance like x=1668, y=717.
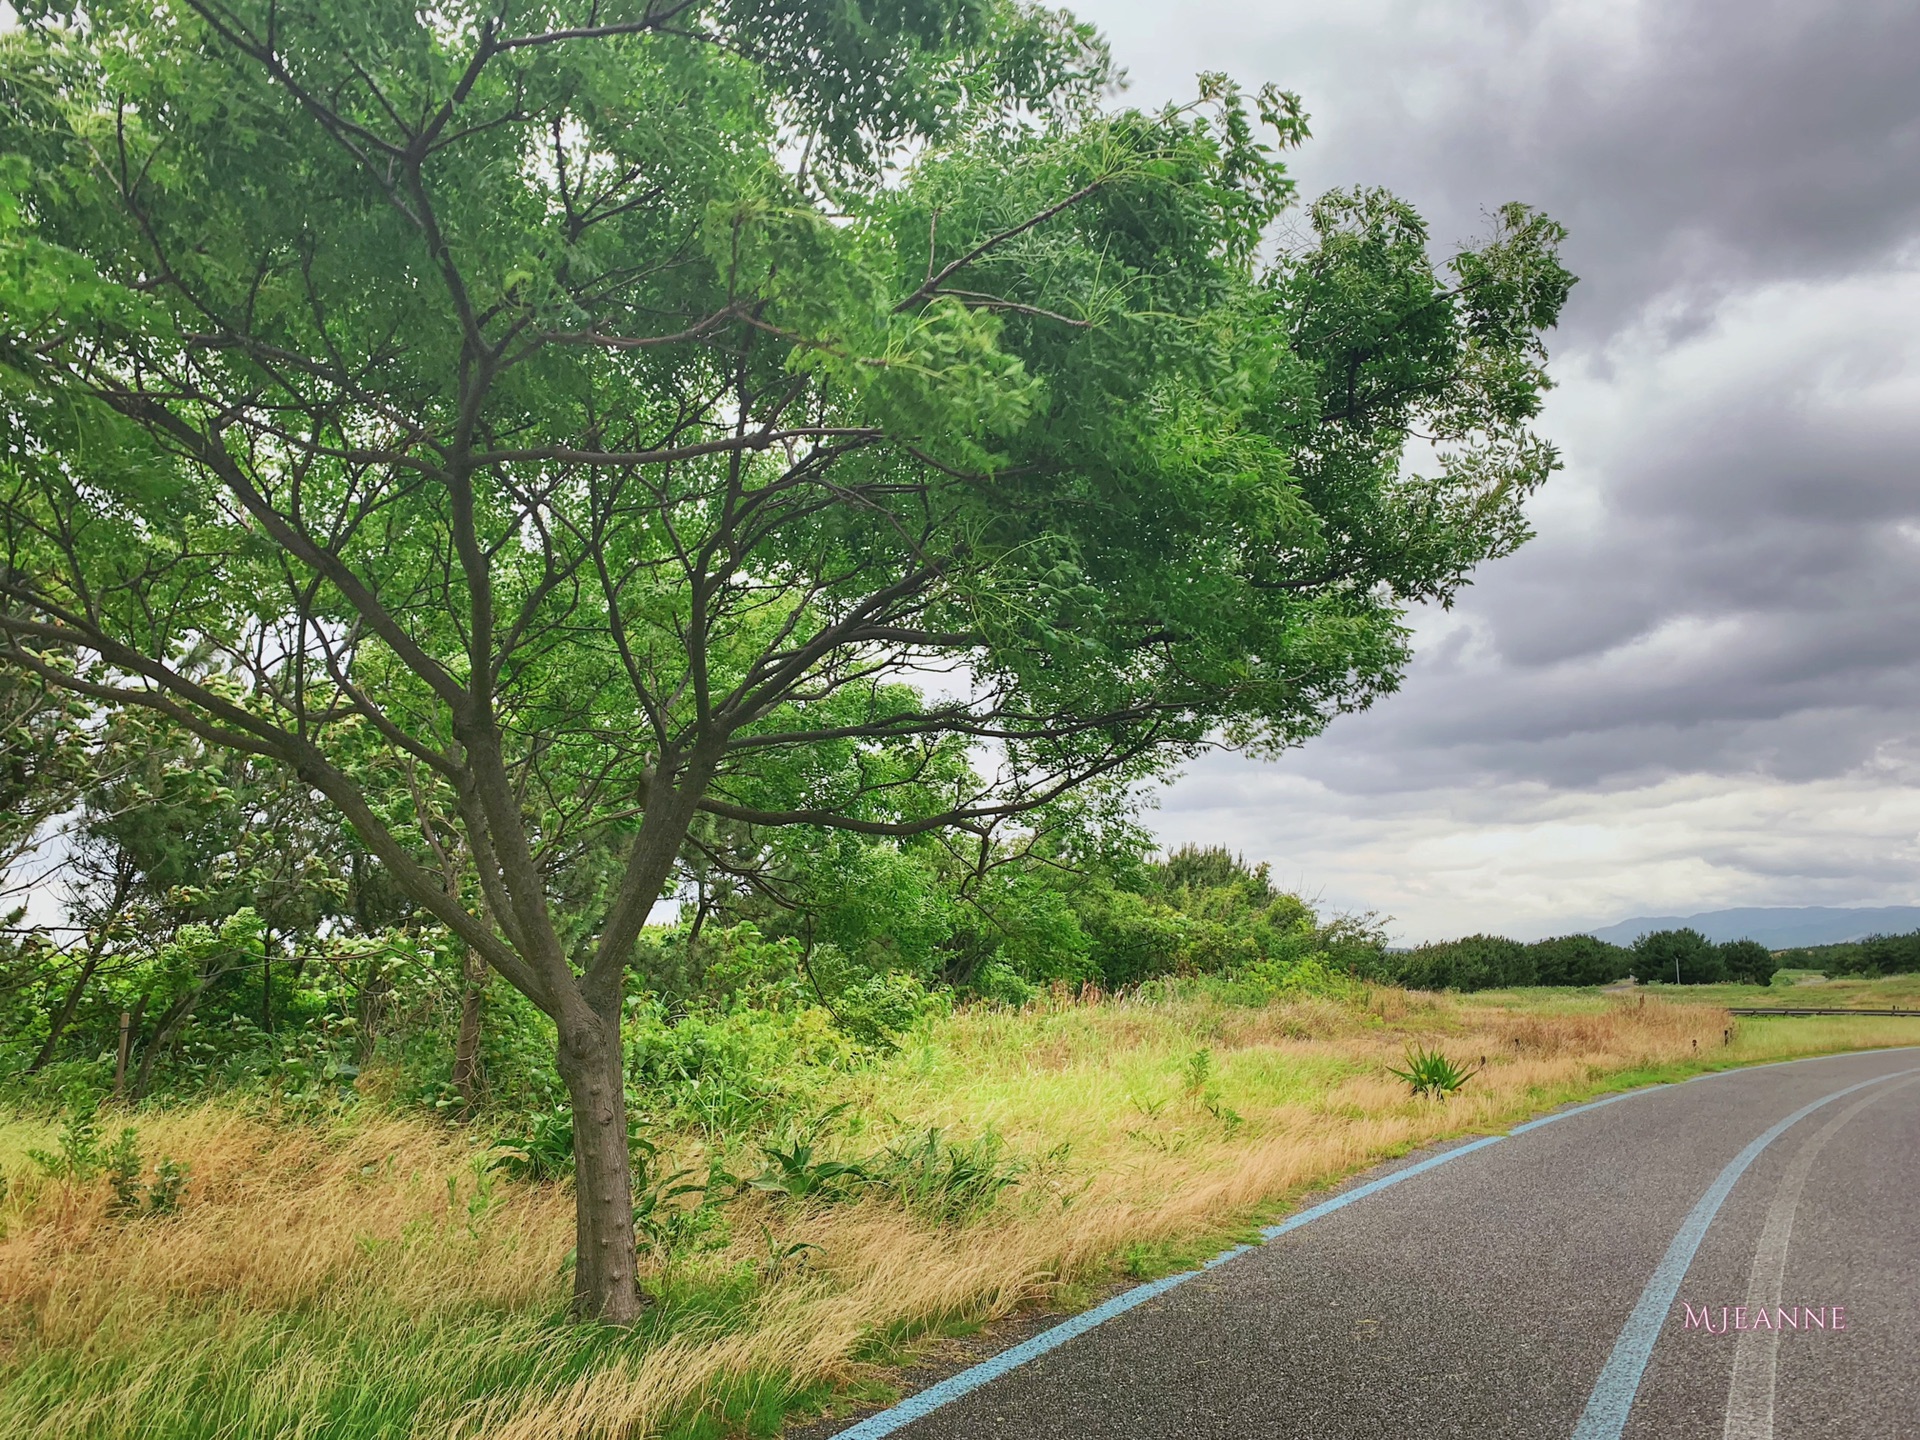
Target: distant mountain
x=1777, y=928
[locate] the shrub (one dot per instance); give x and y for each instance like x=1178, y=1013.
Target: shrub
x=1132, y=938
x=946, y=1180
x=878, y=1009
x=79, y=1156
x=1264, y=981
x=1684, y=957
x=1477, y=962
x=1889, y=954
x=998, y=983
x=168, y=1189
x=1579, y=960
x=1429, y=1072
x=1749, y=961
x=123, y=1172
x=733, y=1070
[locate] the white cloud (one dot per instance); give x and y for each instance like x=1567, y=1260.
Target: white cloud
x=1526, y=860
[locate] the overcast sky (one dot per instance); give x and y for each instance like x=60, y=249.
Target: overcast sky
x=1698, y=687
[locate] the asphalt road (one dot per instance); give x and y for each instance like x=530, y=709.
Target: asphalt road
x=1539, y=1287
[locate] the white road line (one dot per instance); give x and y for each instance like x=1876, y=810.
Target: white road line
x=1611, y=1401
x=1756, y=1358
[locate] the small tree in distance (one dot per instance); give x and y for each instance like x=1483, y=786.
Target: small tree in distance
x=560, y=420
x=1686, y=957
x=1748, y=961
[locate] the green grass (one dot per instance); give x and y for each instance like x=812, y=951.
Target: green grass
x=1789, y=987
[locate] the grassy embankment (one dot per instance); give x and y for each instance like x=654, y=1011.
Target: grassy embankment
x=1789, y=987
x=368, y=1276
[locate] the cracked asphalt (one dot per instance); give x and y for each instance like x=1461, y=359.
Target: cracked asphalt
x=1483, y=1297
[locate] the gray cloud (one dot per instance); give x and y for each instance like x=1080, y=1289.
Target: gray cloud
x=1710, y=657
x=1700, y=145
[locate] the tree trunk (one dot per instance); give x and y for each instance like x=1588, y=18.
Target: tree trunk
x=166, y=1031
x=96, y=948
x=605, y=1287
x=64, y=1016
x=466, y=1046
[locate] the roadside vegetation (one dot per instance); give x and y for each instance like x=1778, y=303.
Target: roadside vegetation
x=343, y=1266
x=1788, y=987
x=1875, y=955
x=1680, y=957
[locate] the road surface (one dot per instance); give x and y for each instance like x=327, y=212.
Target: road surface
x=1585, y=1277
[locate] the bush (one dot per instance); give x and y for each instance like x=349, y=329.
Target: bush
x=999, y=983
x=1749, y=961
x=1264, y=981
x=1207, y=912
x=734, y=1070
x=1477, y=962
x=1579, y=960
x=1132, y=938
x=1889, y=954
x=1683, y=957
x=1488, y=962
x=1429, y=1072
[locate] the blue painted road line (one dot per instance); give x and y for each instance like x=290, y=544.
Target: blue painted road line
x=912, y=1408
x=1605, y=1417
x=1577, y=1109
x=954, y=1386
x=987, y=1371
x=1327, y=1207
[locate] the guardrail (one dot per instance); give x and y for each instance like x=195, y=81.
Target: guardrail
x=1813, y=1010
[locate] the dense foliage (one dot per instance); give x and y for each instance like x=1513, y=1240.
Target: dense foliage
x=738, y=995
x=1875, y=955
x=1487, y=962
x=1686, y=957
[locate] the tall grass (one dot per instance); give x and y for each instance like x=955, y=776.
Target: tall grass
x=368, y=1276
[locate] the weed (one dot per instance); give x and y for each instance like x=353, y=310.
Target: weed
x=794, y=1172
x=543, y=1151
x=1197, y=1076
x=1429, y=1072
x=781, y=1254
x=661, y=1221
x=483, y=1200
x=168, y=1189
x=78, y=1157
x=123, y=1172
x=947, y=1181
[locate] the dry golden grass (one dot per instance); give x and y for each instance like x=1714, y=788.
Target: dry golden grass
x=360, y=1279
x=280, y=1217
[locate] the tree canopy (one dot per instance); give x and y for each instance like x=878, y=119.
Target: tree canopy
x=538, y=425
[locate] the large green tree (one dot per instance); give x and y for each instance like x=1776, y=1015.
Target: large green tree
x=584, y=414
